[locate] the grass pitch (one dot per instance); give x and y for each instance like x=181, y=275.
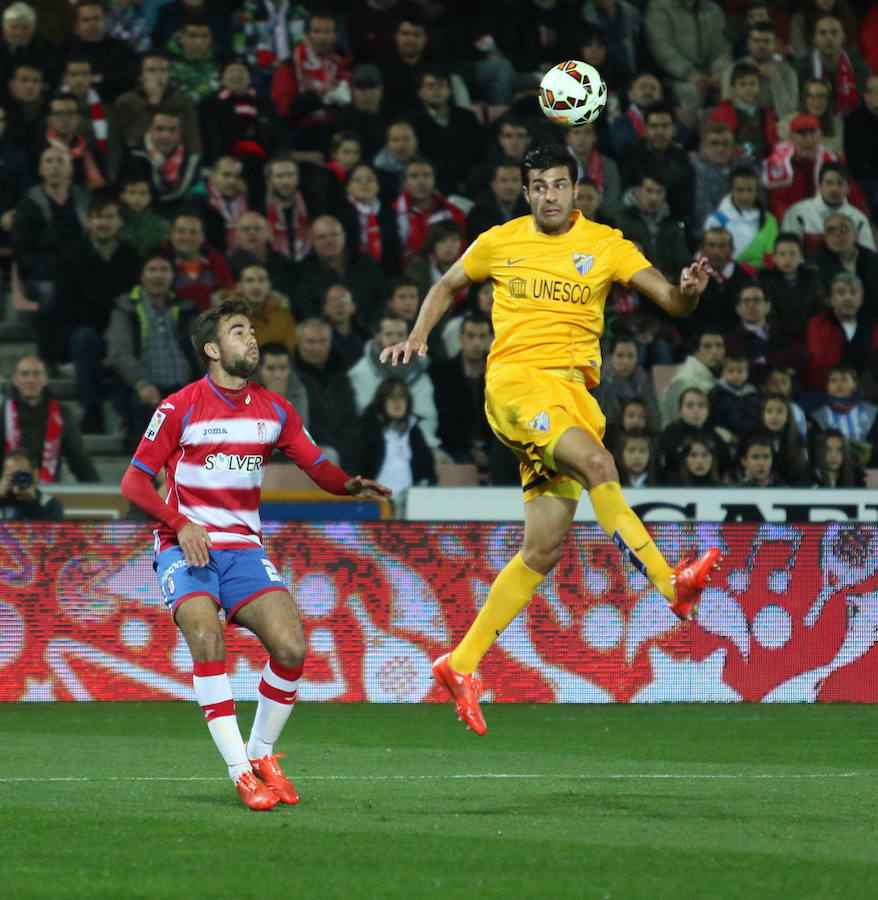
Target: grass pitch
x=125, y=800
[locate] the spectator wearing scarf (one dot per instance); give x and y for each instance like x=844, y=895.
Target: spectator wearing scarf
x=419, y=206
x=34, y=420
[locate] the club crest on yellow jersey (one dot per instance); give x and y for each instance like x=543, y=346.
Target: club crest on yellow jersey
x=583, y=262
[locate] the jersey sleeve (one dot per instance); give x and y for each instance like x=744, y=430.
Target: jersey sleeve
x=476, y=260
x=629, y=260
x=161, y=438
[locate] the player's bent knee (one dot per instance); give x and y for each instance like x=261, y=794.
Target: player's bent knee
x=289, y=653
x=542, y=557
x=599, y=467
x=205, y=643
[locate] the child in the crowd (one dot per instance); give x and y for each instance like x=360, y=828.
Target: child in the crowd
x=404, y=299
x=790, y=451
x=391, y=445
x=635, y=459
x=623, y=378
x=780, y=381
x=632, y=417
x=742, y=213
x=754, y=126
x=734, y=402
x=693, y=413
x=698, y=465
x=835, y=465
x=794, y=287
x=143, y=229
x=756, y=463
x=846, y=411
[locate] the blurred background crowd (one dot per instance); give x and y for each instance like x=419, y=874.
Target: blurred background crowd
x=329, y=163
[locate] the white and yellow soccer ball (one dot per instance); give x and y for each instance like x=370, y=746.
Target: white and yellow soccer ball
x=572, y=93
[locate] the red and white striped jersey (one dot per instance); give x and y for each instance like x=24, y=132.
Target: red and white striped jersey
x=214, y=444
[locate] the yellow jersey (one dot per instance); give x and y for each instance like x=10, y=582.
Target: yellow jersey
x=550, y=290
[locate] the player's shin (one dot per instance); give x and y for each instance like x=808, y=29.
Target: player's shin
x=628, y=533
x=510, y=593
x=277, y=696
x=214, y=694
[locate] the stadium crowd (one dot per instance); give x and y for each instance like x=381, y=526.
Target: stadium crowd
x=329, y=165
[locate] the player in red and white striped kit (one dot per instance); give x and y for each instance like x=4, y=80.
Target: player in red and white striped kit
x=213, y=439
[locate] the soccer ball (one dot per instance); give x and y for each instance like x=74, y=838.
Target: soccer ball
x=572, y=93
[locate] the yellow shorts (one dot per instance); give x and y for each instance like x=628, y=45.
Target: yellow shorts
x=529, y=409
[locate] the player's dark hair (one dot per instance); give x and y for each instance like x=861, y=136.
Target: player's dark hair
x=548, y=156
x=205, y=329
x=834, y=166
x=743, y=70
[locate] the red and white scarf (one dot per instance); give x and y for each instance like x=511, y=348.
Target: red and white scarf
x=370, y=230
x=846, y=95
x=278, y=236
x=636, y=118
x=414, y=222
x=51, y=441
x=595, y=170
x=170, y=166
x=777, y=170
x=79, y=150
x=242, y=104
x=98, y=115
x=230, y=210
x=312, y=71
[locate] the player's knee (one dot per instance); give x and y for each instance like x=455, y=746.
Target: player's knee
x=289, y=653
x=541, y=555
x=598, y=467
x=206, y=643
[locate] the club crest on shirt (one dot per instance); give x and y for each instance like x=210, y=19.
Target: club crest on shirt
x=260, y=432
x=540, y=422
x=583, y=262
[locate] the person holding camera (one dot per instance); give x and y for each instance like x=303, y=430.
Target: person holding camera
x=19, y=496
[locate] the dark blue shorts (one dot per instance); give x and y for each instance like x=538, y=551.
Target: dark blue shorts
x=232, y=577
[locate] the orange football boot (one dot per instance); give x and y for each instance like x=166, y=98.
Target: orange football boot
x=254, y=793
x=271, y=774
x=690, y=579
x=465, y=690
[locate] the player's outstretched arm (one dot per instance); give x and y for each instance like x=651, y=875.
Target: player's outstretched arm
x=435, y=304
x=677, y=301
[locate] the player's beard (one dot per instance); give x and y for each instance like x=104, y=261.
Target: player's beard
x=239, y=366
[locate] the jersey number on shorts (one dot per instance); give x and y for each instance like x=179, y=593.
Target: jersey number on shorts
x=270, y=570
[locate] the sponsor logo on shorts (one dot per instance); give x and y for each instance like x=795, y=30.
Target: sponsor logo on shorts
x=540, y=422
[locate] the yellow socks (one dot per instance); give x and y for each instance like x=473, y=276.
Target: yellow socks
x=626, y=530
x=510, y=593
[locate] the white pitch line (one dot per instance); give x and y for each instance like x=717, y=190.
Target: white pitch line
x=581, y=777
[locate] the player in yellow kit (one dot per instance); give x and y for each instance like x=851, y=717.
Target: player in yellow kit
x=552, y=272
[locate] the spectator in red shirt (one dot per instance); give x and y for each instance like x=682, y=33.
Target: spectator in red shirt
x=199, y=270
